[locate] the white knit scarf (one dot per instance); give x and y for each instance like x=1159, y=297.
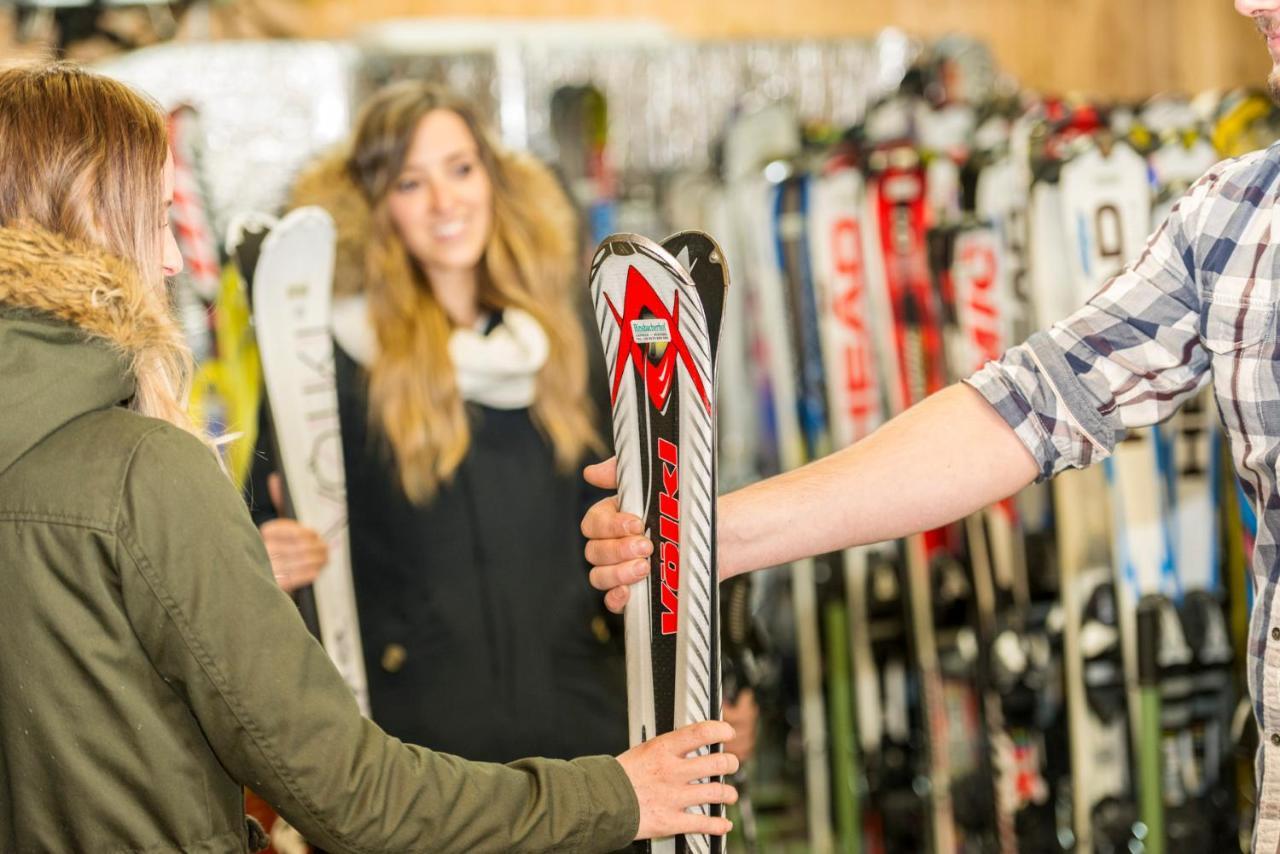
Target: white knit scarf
x=499, y=369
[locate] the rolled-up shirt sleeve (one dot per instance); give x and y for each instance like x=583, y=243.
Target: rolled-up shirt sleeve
x=1127, y=359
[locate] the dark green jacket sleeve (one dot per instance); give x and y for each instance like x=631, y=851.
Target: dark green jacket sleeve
x=199, y=592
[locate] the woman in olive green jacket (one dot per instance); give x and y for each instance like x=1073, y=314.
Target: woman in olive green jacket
x=149, y=665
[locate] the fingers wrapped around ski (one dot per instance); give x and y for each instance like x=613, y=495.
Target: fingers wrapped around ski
x=616, y=599
x=605, y=525
x=616, y=550
x=707, y=765
x=691, y=823
x=614, y=579
x=297, y=553
x=672, y=776
x=623, y=552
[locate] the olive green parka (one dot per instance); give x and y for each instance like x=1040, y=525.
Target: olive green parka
x=150, y=666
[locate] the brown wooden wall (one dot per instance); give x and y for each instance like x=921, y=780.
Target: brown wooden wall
x=1115, y=48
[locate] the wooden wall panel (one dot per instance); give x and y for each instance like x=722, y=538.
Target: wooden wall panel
x=1110, y=48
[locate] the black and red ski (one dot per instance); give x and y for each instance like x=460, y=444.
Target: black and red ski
x=659, y=310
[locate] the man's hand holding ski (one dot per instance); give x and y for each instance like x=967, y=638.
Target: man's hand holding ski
x=617, y=548
x=939, y=461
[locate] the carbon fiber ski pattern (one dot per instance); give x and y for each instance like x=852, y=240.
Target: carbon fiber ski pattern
x=659, y=326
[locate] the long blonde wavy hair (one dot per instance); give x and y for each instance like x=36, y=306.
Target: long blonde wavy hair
x=529, y=263
x=82, y=157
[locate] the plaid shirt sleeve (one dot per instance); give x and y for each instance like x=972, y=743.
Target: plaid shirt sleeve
x=1127, y=359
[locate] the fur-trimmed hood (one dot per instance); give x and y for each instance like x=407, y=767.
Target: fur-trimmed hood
x=76, y=323
x=327, y=183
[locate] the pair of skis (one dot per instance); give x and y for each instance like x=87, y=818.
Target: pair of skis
x=285, y=272
x=1008, y=668
x=950, y=306
x=659, y=309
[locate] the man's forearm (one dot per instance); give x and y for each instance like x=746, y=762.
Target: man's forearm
x=937, y=462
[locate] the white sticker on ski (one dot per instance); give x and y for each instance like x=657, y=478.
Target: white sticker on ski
x=1106, y=203
x=1003, y=199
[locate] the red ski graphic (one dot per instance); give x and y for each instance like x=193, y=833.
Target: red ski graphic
x=642, y=300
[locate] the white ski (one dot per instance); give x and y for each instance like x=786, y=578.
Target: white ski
x=292, y=297
x=1106, y=198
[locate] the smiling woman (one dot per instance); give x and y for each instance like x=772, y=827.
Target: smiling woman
x=441, y=205
x=465, y=412
x=460, y=229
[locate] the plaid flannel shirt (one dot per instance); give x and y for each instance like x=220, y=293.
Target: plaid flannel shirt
x=1199, y=303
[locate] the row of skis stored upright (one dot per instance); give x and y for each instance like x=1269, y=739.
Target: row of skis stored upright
x=1060, y=671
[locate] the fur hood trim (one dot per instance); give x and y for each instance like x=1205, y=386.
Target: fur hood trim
x=94, y=291
x=327, y=183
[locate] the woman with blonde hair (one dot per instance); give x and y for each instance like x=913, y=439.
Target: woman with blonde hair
x=149, y=664
x=462, y=365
